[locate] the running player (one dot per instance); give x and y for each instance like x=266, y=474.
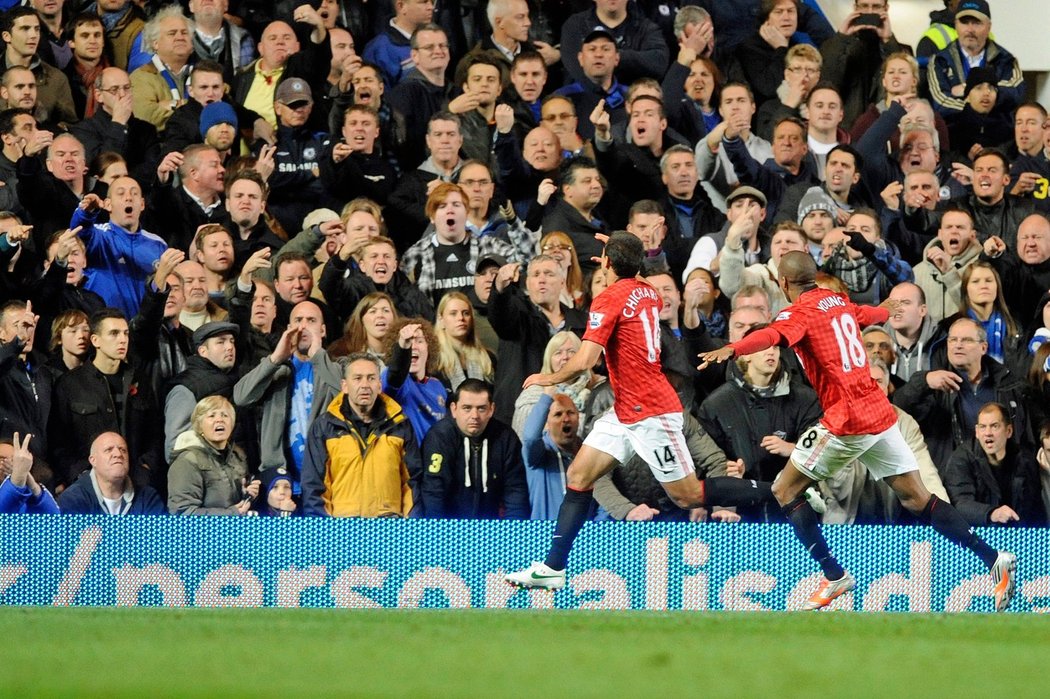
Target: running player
x=646, y=418
x=858, y=425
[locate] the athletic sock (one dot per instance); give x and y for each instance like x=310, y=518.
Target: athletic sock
x=571, y=516
x=947, y=521
x=731, y=492
x=807, y=529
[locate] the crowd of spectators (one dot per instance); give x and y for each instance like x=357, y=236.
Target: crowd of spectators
x=289, y=259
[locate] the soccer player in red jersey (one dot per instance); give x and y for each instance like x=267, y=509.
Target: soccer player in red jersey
x=646, y=418
x=858, y=424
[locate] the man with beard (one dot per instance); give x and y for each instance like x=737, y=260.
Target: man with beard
x=120, y=252
x=218, y=128
x=211, y=371
x=86, y=36
x=294, y=385
x=948, y=69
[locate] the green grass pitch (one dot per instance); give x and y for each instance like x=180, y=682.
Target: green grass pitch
x=476, y=653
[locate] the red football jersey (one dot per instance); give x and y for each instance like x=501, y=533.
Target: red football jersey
x=824, y=329
x=625, y=320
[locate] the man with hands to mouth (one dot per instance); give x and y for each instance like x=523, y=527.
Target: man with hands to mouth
x=294, y=385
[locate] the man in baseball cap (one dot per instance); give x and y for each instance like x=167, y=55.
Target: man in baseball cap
x=295, y=187
x=973, y=49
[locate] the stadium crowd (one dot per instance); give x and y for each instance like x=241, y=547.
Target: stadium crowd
x=297, y=259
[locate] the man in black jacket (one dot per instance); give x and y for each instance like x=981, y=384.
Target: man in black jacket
x=525, y=323
x=355, y=165
x=113, y=127
x=176, y=210
x=473, y=463
x=106, y=395
x=346, y=280
x=574, y=212
x=946, y=401
x=996, y=482
x=25, y=383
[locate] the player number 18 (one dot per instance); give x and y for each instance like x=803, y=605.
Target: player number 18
x=851, y=348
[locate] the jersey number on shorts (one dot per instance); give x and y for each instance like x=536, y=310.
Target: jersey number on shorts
x=651, y=330
x=807, y=441
x=851, y=349
x=667, y=458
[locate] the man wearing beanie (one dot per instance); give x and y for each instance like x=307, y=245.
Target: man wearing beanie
x=948, y=70
x=113, y=127
x=205, y=86
x=218, y=128
x=817, y=214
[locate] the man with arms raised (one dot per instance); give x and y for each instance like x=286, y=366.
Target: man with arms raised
x=858, y=424
x=646, y=419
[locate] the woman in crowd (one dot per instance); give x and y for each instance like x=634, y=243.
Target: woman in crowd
x=461, y=354
x=560, y=349
x=559, y=246
x=983, y=300
x=209, y=475
x=368, y=327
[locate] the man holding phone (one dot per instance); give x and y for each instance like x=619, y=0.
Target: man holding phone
x=853, y=56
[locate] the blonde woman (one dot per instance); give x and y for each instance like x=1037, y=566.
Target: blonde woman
x=209, y=475
x=559, y=351
x=461, y=354
x=559, y=246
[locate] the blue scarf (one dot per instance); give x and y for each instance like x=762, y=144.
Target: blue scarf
x=997, y=332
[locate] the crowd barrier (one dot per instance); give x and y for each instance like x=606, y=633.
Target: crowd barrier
x=314, y=562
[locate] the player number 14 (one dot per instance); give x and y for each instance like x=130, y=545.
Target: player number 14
x=851, y=348
x=651, y=330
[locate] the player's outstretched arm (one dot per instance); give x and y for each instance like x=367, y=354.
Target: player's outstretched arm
x=715, y=356
x=585, y=358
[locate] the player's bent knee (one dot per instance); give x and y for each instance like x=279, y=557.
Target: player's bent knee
x=686, y=493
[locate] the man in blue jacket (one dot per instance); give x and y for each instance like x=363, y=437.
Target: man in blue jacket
x=550, y=441
x=472, y=467
x=120, y=253
x=106, y=488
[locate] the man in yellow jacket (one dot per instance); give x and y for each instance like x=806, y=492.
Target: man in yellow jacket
x=361, y=455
